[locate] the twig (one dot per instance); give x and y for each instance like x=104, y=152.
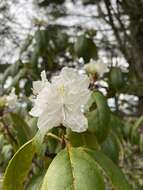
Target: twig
x=55, y=137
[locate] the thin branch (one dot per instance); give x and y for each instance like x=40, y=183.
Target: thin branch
x=55, y=137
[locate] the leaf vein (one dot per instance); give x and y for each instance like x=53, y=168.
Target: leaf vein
x=72, y=168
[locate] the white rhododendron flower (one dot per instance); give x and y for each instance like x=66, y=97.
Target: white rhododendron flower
x=96, y=67
x=11, y=99
x=60, y=101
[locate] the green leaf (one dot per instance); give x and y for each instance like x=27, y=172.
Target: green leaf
x=141, y=143
x=117, y=124
x=135, y=134
x=115, y=175
x=26, y=44
x=28, y=88
x=116, y=79
x=3, y=67
x=61, y=42
x=72, y=169
x=38, y=139
x=23, y=130
x=47, y=2
x=42, y=39
x=34, y=58
x=19, y=166
x=6, y=73
x=99, y=119
x=111, y=148
x=88, y=2
x=32, y=122
x=12, y=70
x=85, y=47
x=85, y=139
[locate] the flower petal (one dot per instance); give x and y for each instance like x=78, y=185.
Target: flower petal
x=43, y=76
x=76, y=121
x=47, y=121
x=39, y=85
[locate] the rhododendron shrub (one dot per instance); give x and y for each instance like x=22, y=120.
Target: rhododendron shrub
x=63, y=146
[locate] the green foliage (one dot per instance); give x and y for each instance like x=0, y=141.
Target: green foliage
x=135, y=131
x=12, y=70
x=132, y=165
x=114, y=174
x=86, y=139
x=71, y=169
x=86, y=2
x=47, y=2
x=111, y=148
x=61, y=159
x=74, y=165
x=116, y=79
x=23, y=131
x=99, y=119
x=85, y=47
x=19, y=166
x=26, y=44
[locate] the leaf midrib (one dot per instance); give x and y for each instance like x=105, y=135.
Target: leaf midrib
x=71, y=167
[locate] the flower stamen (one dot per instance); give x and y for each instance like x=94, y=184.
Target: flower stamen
x=61, y=90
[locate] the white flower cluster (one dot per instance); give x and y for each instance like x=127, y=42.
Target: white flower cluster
x=60, y=101
x=94, y=67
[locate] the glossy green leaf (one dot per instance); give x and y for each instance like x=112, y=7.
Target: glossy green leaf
x=117, y=124
x=116, y=79
x=85, y=139
x=38, y=139
x=86, y=48
x=23, y=131
x=72, y=169
x=41, y=37
x=34, y=58
x=111, y=148
x=19, y=166
x=115, y=175
x=99, y=119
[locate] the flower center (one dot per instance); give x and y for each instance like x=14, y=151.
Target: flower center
x=61, y=90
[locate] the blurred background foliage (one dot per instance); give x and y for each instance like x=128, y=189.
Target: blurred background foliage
x=49, y=34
